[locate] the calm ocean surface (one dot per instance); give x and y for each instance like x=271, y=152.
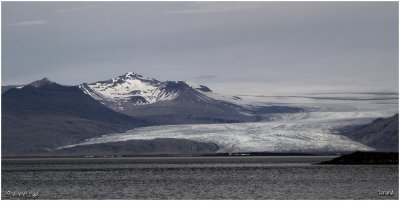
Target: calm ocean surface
x=197, y=178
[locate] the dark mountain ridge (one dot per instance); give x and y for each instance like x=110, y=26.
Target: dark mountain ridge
x=381, y=134
x=45, y=115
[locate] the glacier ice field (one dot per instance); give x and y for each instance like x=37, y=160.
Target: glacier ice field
x=309, y=131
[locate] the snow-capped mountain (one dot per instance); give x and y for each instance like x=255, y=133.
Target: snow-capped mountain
x=161, y=102
x=171, y=102
x=132, y=89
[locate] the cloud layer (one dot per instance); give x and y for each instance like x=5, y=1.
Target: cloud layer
x=263, y=47
x=29, y=23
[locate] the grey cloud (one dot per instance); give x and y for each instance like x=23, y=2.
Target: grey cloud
x=29, y=23
x=213, y=7
x=76, y=9
x=205, y=77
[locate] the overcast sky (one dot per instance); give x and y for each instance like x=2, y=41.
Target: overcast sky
x=232, y=47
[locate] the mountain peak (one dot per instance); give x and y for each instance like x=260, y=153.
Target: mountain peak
x=131, y=74
x=41, y=83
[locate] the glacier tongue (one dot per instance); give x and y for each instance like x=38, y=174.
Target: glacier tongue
x=301, y=135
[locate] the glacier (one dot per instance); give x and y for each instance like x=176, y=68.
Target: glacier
x=310, y=131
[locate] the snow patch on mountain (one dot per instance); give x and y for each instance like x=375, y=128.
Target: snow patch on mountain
x=129, y=87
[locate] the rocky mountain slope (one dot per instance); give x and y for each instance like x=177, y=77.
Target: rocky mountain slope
x=8, y=87
x=381, y=134
x=45, y=115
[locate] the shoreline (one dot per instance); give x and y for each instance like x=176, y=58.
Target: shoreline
x=241, y=154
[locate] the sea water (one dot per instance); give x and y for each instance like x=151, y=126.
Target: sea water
x=266, y=177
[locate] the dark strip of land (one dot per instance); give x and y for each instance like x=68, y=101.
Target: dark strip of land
x=366, y=158
x=243, y=154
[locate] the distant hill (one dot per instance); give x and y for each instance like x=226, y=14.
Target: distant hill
x=44, y=115
x=8, y=87
x=366, y=158
x=381, y=134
